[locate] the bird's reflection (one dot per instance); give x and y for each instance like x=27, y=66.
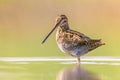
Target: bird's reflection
x=76, y=73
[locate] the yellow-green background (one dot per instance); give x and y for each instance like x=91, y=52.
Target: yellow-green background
x=24, y=23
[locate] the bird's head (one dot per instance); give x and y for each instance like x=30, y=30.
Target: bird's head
x=61, y=21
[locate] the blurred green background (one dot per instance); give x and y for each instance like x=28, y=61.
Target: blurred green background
x=24, y=23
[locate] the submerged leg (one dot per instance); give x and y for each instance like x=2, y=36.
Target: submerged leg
x=78, y=60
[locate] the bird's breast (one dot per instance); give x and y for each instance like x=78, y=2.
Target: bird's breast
x=63, y=43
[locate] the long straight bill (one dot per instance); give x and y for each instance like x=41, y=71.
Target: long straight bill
x=50, y=32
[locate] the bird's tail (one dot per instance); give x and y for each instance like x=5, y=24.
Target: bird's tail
x=94, y=44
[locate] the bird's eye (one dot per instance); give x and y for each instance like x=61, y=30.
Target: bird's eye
x=61, y=18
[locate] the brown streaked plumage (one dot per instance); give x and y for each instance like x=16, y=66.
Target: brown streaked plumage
x=72, y=42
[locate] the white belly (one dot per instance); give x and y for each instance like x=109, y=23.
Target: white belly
x=74, y=51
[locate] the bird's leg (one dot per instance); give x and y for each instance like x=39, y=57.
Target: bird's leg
x=78, y=60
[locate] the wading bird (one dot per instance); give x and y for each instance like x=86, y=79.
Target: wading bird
x=72, y=42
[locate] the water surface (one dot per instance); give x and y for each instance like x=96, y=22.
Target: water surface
x=56, y=68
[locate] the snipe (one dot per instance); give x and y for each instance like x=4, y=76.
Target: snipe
x=72, y=42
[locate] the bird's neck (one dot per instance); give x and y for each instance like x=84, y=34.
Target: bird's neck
x=64, y=26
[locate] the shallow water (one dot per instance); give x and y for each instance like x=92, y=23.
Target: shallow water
x=54, y=68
